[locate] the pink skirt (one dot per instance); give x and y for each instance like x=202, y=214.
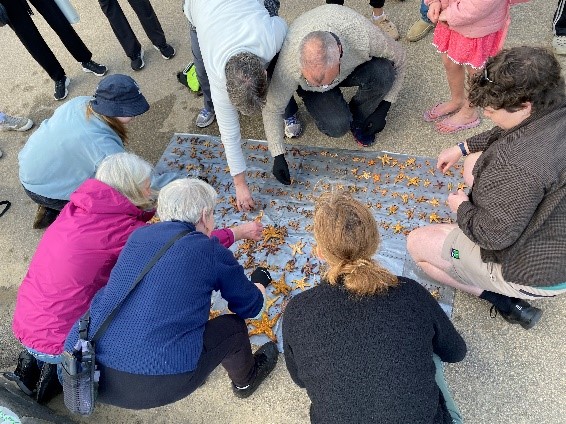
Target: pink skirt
x=462, y=50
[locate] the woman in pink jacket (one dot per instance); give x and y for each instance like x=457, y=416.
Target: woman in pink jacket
x=73, y=261
x=467, y=33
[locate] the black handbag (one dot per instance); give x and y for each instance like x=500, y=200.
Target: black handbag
x=80, y=374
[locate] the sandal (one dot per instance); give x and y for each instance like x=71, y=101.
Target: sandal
x=431, y=116
x=454, y=128
x=6, y=204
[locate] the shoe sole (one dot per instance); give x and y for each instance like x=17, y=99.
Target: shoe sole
x=165, y=57
x=26, y=127
x=92, y=72
x=536, y=318
x=142, y=64
x=291, y=135
x=13, y=377
x=67, y=81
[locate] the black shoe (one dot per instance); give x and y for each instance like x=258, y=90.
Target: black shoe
x=48, y=385
x=26, y=374
x=44, y=217
x=96, y=68
x=166, y=51
x=138, y=63
x=61, y=88
x=521, y=313
x=265, y=360
x=362, y=139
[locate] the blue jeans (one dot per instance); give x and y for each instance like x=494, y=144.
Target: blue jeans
x=50, y=359
x=448, y=399
x=424, y=11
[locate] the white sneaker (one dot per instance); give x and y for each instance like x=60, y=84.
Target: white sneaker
x=559, y=44
x=15, y=123
x=205, y=118
x=293, y=127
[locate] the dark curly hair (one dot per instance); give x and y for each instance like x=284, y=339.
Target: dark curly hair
x=246, y=83
x=518, y=75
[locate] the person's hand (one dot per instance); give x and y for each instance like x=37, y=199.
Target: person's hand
x=447, y=158
x=244, y=198
x=261, y=276
x=376, y=123
x=434, y=11
x=455, y=199
x=250, y=230
x=281, y=169
x=442, y=17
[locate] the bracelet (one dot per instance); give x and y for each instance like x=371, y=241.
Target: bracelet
x=462, y=149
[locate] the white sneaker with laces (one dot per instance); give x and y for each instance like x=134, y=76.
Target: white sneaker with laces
x=205, y=118
x=15, y=123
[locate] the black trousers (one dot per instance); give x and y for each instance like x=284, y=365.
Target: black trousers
x=123, y=30
x=27, y=32
x=331, y=113
x=560, y=18
x=225, y=341
x=372, y=3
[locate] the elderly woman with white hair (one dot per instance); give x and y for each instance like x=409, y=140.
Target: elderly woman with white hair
x=160, y=339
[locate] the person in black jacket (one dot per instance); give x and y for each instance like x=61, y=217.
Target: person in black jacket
x=366, y=344
x=20, y=21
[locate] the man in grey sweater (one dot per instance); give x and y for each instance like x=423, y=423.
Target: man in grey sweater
x=327, y=48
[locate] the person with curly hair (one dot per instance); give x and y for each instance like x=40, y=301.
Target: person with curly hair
x=509, y=243
x=366, y=344
x=233, y=63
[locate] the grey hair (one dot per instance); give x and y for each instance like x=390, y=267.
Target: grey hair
x=318, y=51
x=127, y=173
x=246, y=83
x=185, y=200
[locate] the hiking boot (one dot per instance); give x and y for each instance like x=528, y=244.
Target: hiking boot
x=265, y=361
x=361, y=138
x=15, y=123
x=559, y=44
x=521, y=313
x=48, y=385
x=167, y=51
x=384, y=24
x=138, y=63
x=44, y=217
x=205, y=118
x=293, y=127
x=96, y=68
x=61, y=88
x=26, y=374
x=419, y=30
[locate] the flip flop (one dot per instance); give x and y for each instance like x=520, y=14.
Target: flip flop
x=430, y=116
x=454, y=128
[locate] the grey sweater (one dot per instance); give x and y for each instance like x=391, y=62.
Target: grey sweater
x=360, y=39
x=370, y=360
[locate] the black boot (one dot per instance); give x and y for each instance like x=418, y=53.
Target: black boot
x=48, y=386
x=44, y=217
x=26, y=374
x=265, y=360
x=521, y=313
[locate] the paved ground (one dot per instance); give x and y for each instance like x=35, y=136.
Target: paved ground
x=509, y=376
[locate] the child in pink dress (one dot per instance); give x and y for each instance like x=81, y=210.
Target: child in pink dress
x=467, y=33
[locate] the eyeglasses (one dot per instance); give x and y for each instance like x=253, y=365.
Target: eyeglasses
x=335, y=80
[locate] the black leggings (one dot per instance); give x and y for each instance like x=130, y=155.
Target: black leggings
x=372, y=3
x=225, y=341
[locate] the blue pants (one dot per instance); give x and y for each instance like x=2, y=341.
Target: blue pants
x=424, y=11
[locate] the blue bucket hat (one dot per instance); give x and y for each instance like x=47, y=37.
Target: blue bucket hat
x=119, y=95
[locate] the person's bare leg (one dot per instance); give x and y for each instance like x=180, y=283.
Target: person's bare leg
x=425, y=247
x=467, y=113
x=455, y=75
x=469, y=163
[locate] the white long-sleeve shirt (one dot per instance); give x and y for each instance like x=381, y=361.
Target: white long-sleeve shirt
x=226, y=28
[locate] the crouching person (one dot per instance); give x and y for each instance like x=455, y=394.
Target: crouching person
x=161, y=340
x=72, y=262
x=366, y=344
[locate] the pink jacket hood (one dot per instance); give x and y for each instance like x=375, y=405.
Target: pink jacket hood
x=72, y=262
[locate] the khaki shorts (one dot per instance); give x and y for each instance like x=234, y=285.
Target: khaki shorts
x=469, y=269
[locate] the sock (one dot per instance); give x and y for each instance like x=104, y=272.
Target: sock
x=377, y=18
x=501, y=302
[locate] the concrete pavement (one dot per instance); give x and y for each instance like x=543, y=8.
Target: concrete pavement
x=509, y=376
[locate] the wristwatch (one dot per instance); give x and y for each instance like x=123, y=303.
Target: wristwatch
x=463, y=149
